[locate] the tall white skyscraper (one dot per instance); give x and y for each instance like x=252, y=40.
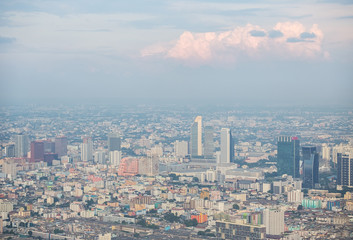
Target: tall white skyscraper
x=227, y=146
x=21, y=145
x=114, y=158
x=87, y=149
x=274, y=221
x=196, y=137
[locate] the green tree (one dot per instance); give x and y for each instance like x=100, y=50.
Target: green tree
x=191, y=223
x=235, y=206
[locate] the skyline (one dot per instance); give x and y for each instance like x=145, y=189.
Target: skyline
x=290, y=53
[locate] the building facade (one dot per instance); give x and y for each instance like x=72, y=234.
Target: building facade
x=61, y=146
x=310, y=158
x=114, y=142
x=344, y=169
x=288, y=156
x=208, y=142
x=227, y=146
x=239, y=231
x=196, y=137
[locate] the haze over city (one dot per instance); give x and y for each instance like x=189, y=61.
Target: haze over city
x=263, y=52
x=178, y=120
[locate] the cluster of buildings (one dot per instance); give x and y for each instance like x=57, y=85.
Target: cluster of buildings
x=141, y=177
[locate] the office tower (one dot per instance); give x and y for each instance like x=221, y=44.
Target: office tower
x=181, y=148
x=115, y=158
x=311, y=166
x=61, y=146
x=344, y=169
x=87, y=149
x=227, y=146
x=196, y=137
x=9, y=168
x=99, y=157
x=21, y=145
x=288, y=156
x=49, y=146
x=208, y=142
x=114, y=142
x=274, y=221
x=10, y=150
x=233, y=230
x=149, y=166
x=37, y=151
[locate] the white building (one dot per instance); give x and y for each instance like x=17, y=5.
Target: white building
x=295, y=196
x=114, y=158
x=87, y=149
x=227, y=147
x=181, y=149
x=274, y=221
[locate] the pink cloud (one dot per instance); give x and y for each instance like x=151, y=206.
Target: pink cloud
x=292, y=40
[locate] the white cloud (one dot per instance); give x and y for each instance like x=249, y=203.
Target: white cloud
x=243, y=42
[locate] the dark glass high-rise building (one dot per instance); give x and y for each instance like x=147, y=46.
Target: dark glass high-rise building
x=310, y=159
x=288, y=156
x=344, y=170
x=114, y=142
x=208, y=142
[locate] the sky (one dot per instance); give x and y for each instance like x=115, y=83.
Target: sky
x=266, y=52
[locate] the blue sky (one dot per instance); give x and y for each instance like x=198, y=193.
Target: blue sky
x=263, y=52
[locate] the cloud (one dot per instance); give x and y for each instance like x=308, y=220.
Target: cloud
x=284, y=40
x=4, y=40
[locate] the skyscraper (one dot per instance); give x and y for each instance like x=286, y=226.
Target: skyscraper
x=37, y=151
x=61, y=146
x=114, y=142
x=344, y=169
x=21, y=145
x=87, y=149
x=288, y=156
x=196, y=137
x=310, y=159
x=181, y=148
x=208, y=142
x=114, y=158
x=227, y=146
x=99, y=157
